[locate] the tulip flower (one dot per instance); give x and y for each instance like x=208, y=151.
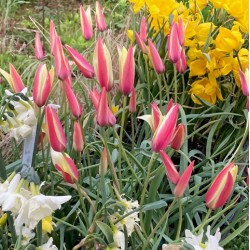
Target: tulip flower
x=82, y=64
x=170, y=168
x=155, y=58
x=38, y=47
x=221, y=187
x=61, y=62
x=132, y=102
x=78, y=142
x=52, y=35
x=180, y=31
x=65, y=165
x=95, y=97
x=163, y=127
x=74, y=105
x=57, y=137
x=244, y=79
x=42, y=85
x=99, y=17
x=183, y=181
x=86, y=23
x=181, y=64
x=178, y=137
x=170, y=105
x=141, y=43
x=104, y=116
x=174, y=46
x=103, y=65
x=143, y=29
x=126, y=70
x=13, y=79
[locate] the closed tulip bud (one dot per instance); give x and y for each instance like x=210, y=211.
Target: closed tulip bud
x=170, y=168
x=126, y=70
x=244, y=81
x=74, y=105
x=174, y=47
x=170, y=105
x=221, y=187
x=95, y=97
x=65, y=165
x=180, y=30
x=103, y=65
x=143, y=29
x=141, y=44
x=132, y=102
x=78, y=142
x=42, y=85
x=38, y=47
x=86, y=23
x=57, y=137
x=52, y=35
x=82, y=64
x=155, y=58
x=104, y=116
x=183, y=181
x=61, y=62
x=181, y=64
x=99, y=17
x=178, y=137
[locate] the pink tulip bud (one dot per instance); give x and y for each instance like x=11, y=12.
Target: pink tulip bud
x=74, y=105
x=183, y=181
x=15, y=79
x=99, y=17
x=141, y=43
x=180, y=30
x=57, y=137
x=170, y=105
x=52, y=35
x=181, y=64
x=244, y=78
x=103, y=167
x=86, y=23
x=178, y=137
x=65, y=165
x=95, y=97
x=42, y=85
x=155, y=58
x=165, y=130
x=78, y=142
x=104, y=116
x=221, y=187
x=103, y=65
x=143, y=29
x=38, y=47
x=82, y=64
x=126, y=70
x=132, y=102
x=174, y=47
x=170, y=168
x=61, y=62
x=156, y=116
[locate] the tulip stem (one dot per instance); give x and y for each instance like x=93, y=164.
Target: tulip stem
x=146, y=63
x=145, y=188
x=175, y=85
x=200, y=227
x=160, y=90
x=166, y=85
x=163, y=219
x=180, y=220
x=133, y=133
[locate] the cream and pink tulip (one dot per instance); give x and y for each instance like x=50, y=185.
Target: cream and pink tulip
x=143, y=29
x=181, y=64
x=156, y=60
x=83, y=65
x=178, y=137
x=126, y=70
x=143, y=47
x=15, y=80
x=183, y=181
x=42, y=85
x=38, y=47
x=103, y=65
x=173, y=44
x=221, y=187
x=56, y=133
x=99, y=17
x=86, y=22
x=52, y=36
x=65, y=165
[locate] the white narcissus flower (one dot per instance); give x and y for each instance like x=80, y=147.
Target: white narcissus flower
x=37, y=208
x=119, y=239
x=47, y=246
x=27, y=235
x=212, y=242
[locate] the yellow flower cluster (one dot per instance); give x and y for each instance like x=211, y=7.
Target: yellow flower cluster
x=214, y=41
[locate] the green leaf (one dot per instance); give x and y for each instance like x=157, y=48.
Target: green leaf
x=154, y=205
x=107, y=231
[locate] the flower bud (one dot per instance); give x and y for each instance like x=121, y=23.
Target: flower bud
x=178, y=137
